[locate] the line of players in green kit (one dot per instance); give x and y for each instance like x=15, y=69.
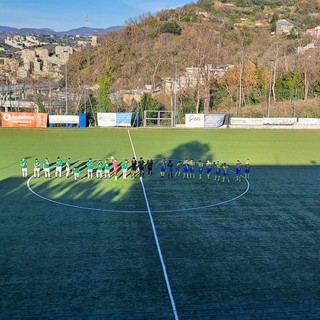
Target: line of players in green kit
x=187, y=169
x=106, y=169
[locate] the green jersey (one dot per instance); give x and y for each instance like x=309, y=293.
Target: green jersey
x=76, y=170
x=68, y=164
x=46, y=164
x=37, y=164
x=59, y=163
x=100, y=166
x=23, y=164
x=106, y=166
x=124, y=165
x=90, y=165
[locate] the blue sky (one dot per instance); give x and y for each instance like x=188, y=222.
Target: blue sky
x=63, y=15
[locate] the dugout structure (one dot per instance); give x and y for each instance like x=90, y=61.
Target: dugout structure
x=158, y=118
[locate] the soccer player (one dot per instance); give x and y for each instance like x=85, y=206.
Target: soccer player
x=115, y=168
x=46, y=168
x=90, y=164
x=238, y=171
x=36, y=170
x=163, y=165
x=107, y=169
x=209, y=168
x=191, y=165
x=134, y=167
x=225, y=172
x=99, y=169
x=149, y=166
x=124, y=168
x=141, y=167
x=185, y=168
x=200, y=169
x=24, y=168
x=76, y=173
x=68, y=168
x=178, y=168
x=247, y=169
x=170, y=169
x=218, y=171
x=59, y=165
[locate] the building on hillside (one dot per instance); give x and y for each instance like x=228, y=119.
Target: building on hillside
x=284, y=27
x=42, y=53
x=314, y=32
x=262, y=22
x=41, y=63
x=63, y=53
x=194, y=76
x=15, y=42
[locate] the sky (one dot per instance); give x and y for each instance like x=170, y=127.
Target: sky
x=64, y=15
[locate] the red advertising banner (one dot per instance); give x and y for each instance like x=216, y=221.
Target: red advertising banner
x=24, y=120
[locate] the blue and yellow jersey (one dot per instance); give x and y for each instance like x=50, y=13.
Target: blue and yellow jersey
x=191, y=165
x=163, y=165
x=186, y=165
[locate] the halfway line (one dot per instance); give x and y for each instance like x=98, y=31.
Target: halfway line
x=164, y=269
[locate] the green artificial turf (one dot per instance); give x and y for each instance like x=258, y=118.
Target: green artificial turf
x=86, y=249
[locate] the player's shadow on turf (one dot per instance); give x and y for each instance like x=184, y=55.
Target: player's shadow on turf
x=114, y=195
x=193, y=150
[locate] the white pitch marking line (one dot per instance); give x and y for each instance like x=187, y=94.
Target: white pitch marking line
x=75, y=206
x=164, y=269
x=137, y=211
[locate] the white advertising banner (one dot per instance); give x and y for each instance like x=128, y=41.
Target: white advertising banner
x=107, y=119
x=309, y=121
x=246, y=121
x=64, y=119
x=195, y=120
x=119, y=119
x=279, y=121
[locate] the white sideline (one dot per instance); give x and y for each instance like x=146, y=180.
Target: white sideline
x=164, y=269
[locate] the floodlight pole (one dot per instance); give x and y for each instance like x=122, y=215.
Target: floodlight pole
x=270, y=88
x=175, y=97
x=66, y=81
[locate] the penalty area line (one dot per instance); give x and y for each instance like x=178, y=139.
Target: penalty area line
x=154, y=230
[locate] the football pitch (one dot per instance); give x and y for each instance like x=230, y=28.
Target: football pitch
x=159, y=248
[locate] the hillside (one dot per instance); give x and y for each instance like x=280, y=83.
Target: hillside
x=239, y=38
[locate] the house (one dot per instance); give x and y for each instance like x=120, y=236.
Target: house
x=314, y=32
x=284, y=27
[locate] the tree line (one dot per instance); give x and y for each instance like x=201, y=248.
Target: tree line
x=156, y=49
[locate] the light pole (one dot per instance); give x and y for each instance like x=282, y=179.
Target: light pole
x=270, y=88
x=66, y=80
x=175, y=94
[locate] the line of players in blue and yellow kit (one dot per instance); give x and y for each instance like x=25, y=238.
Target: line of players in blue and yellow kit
x=188, y=168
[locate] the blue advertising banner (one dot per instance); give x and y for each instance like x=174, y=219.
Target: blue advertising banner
x=213, y=120
x=123, y=119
